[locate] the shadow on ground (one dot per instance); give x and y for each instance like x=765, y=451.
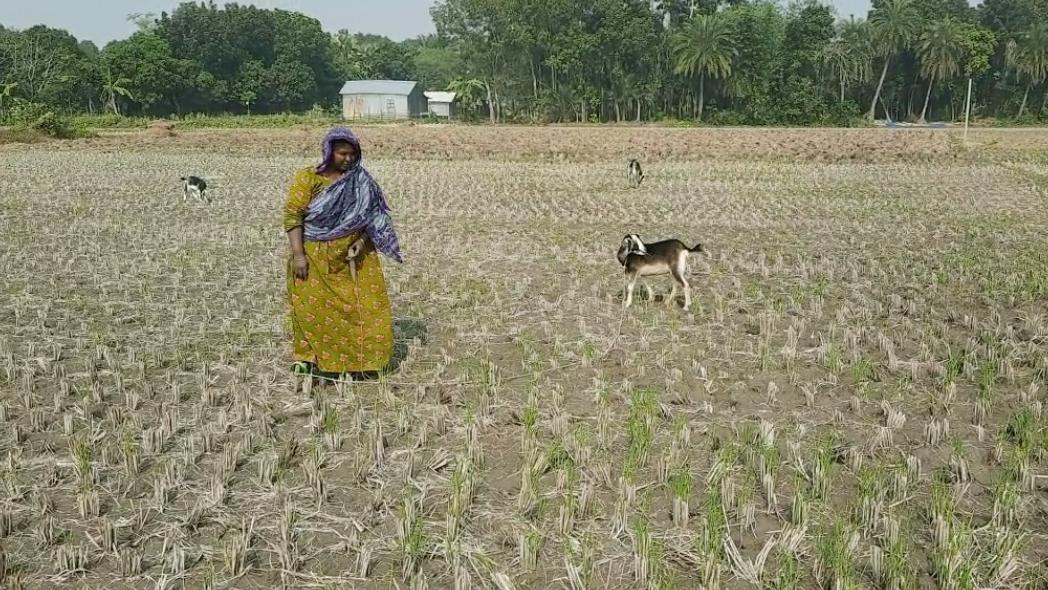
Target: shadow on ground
x=405, y=331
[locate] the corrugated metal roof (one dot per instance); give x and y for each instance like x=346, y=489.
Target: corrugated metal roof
x=378, y=87
x=441, y=96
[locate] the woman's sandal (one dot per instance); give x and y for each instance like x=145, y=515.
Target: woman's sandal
x=308, y=368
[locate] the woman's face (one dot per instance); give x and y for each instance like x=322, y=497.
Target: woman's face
x=342, y=156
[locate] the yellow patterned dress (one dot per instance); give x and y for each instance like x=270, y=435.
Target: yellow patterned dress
x=340, y=325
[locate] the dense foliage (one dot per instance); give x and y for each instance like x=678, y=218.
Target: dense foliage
x=723, y=61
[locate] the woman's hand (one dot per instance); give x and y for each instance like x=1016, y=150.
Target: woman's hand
x=300, y=264
x=355, y=249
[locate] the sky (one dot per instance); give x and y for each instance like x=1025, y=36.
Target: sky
x=106, y=20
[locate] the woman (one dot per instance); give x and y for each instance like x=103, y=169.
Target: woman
x=337, y=221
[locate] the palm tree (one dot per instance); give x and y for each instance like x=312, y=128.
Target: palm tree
x=837, y=58
x=940, y=50
x=847, y=55
x=894, y=24
x=704, y=47
x=627, y=90
x=1028, y=56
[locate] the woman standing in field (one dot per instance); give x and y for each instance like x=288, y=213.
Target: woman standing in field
x=337, y=221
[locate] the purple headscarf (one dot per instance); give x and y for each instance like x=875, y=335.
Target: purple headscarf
x=352, y=203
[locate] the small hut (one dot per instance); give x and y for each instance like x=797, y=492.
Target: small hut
x=441, y=104
x=383, y=99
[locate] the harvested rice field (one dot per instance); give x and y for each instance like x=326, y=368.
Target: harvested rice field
x=855, y=399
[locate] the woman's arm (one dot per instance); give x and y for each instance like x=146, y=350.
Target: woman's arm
x=299, y=262
x=299, y=196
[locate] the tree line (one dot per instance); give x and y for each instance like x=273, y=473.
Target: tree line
x=722, y=61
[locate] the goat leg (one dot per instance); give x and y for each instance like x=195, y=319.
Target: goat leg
x=630, y=283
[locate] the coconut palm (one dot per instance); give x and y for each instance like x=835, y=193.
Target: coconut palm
x=940, y=49
x=894, y=25
x=847, y=55
x=1028, y=56
x=704, y=47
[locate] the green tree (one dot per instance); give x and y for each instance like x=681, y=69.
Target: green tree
x=347, y=57
x=49, y=67
x=248, y=98
x=480, y=32
x=384, y=59
x=894, y=25
x=113, y=88
x=961, y=11
x=291, y=85
x=980, y=44
x=941, y=51
x=847, y=56
x=758, y=37
x=809, y=27
x=250, y=84
x=284, y=58
x=434, y=64
x=6, y=92
x=1011, y=18
x=155, y=81
x=797, y=97
x=1028, y=56
x=469, y=92
x=770, y=62
x=703, y=47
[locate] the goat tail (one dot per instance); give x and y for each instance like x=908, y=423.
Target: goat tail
x=697, y=248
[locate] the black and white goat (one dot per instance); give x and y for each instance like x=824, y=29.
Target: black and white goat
x=658, y=258
x=196, y=187
x=634, y=174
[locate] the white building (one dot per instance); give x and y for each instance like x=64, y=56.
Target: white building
x=382, y=99
x=441, y=104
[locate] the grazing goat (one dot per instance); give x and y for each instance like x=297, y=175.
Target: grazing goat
x=658, y=258
x=195, y=186
x=634, y=174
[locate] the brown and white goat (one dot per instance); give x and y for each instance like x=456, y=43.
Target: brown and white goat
x=658, y=258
